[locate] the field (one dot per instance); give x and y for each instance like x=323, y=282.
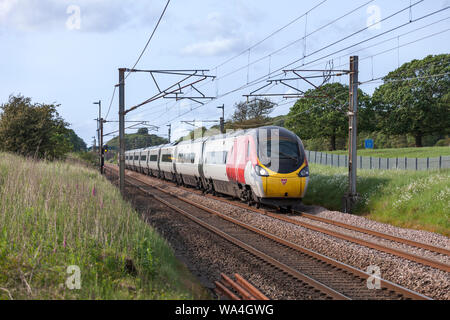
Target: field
x=425, y=152
x=55, y=215
x=411, y=199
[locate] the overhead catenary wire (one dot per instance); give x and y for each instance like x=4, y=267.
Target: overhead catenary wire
x=272, y=34
x=263, y=78
x=286, y=46
x=150, y=38
x=353, y=52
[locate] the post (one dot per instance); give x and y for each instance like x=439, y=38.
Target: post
x=222, y=119
x=122, y=130
x=102, y=160
x=100, y=136
x=351, y=196
x=170, y=131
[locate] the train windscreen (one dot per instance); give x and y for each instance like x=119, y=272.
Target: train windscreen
x=280, y=150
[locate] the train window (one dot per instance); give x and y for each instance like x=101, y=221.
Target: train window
x=136, y=157
x=154, y=158
x=248, y=149
x=216, y=157
x=166, y=158
x=143, y=158
x=192, y=157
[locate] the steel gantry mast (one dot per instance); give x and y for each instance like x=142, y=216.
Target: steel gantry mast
x=175, y=91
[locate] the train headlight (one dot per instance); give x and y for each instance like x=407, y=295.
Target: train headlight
x=304, y=172
x=261, y=171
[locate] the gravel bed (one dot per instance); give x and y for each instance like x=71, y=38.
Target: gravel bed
x=207, y=255
x=426, y=280
x=416, y=235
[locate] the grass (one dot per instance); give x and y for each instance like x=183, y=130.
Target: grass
x=425, y=152
x=411, y=199
x=53, y=215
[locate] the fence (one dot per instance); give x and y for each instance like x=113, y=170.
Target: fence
x=442, y=162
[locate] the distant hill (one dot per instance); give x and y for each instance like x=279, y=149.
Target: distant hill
x=137, y=141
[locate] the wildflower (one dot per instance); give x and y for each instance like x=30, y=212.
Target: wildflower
x=65, y=243
x=93, y=191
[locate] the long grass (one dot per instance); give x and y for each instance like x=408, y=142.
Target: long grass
x=54, y=215
x=411, y=199
x=425, y=152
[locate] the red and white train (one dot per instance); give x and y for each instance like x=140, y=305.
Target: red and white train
x=264, y=165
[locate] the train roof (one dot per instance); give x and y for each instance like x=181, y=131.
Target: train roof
x=236, y=133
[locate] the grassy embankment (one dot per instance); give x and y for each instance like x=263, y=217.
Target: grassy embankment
x=425, y=152
x=411, y=199
x=53, y=215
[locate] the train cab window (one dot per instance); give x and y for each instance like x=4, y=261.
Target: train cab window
x=154, y=158
x=248, y=149
x=166, y=158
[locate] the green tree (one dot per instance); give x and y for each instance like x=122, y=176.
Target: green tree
x=142, y=131
x=33, y=129
x=137, y=141
x=414, y=98
x=78, y=144
x=323, y=113
x=252, y=114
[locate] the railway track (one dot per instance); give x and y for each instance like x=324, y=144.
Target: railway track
x=371, y=244
x=240, y=289
x=332, y=278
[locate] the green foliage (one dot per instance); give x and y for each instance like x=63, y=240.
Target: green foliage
x=78, y=144
x=423, y=152
x=411, y=199
x=56, y=214
x=313, y=117
x=252, y=113
x=412, y=101
x=137, y=141
x=34, y=130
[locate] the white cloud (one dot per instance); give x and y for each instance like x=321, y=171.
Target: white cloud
x=96, y=15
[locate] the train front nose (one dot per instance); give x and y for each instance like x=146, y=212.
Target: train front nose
x=284, y=186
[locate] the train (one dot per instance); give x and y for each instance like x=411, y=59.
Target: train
x=265, y=165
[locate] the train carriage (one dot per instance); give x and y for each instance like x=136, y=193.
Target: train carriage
x=166, y=162
x=188, y=156
x=264, y=165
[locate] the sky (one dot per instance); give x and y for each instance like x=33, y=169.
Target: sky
x=68, y=51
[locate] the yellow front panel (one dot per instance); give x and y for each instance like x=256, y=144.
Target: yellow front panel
x=277, y=187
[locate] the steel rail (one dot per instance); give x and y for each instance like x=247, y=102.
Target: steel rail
x=250, y=288
x=271, y=261
x=413, y=243
x=385, y=236
x=242, y=291
x=385, y=283
x=227, y=292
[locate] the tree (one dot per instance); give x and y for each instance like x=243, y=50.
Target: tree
x=78, y=144
x=414, y=98
x=33, y=129
x=137, y=141
x=142, y=131
x=313, y=117
x=254, y=113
